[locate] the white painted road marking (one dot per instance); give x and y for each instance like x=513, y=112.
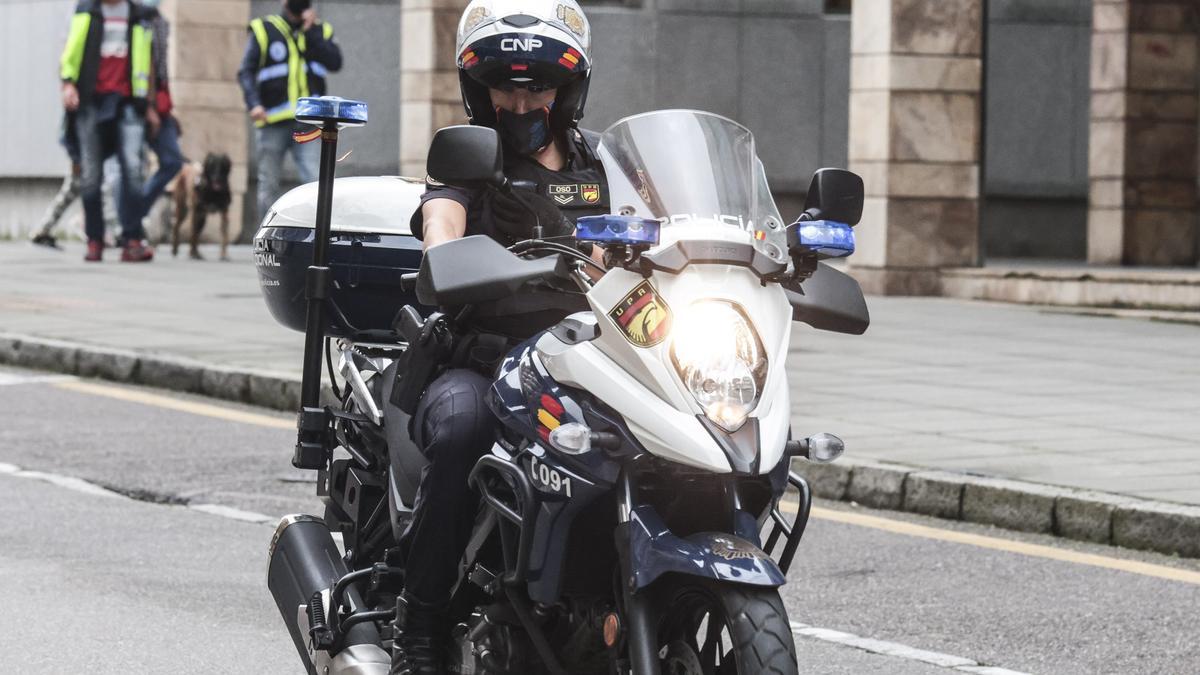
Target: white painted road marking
x=818, y=513
x=845, y=639
x=9, y=379
x=88, y=488
x=897, y=650
x=881, y=647
x=70, y=483
x=234, y=514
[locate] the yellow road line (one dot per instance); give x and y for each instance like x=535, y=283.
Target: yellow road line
x=998, y=544
x=195, y=408
x=859, y=519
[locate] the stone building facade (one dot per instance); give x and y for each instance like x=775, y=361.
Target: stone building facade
x=915, y=120
x=1143, y=156
x=207, y=100
x=1059, y=129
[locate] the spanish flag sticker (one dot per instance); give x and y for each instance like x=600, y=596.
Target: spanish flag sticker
x=305, y=134
x=642, y=316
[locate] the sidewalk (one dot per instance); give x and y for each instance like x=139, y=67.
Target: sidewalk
x=1009, y=391
x=208, y=311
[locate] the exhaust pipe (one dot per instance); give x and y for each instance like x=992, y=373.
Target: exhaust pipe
x=303, y=562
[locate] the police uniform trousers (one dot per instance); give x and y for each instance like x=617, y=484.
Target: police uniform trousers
x=453, y=427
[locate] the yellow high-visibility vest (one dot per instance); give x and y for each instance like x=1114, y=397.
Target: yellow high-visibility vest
x=140, y=41
x=281, y=58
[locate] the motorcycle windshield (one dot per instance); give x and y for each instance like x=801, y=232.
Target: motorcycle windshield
x=689, y=169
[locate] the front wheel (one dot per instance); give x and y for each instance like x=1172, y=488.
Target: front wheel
x=723, y=629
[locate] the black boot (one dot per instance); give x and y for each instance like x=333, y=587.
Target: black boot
x=416, y=649
x=46, y=240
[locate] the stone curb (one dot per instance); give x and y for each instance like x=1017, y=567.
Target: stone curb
x=1083, y=515
x=260, y=388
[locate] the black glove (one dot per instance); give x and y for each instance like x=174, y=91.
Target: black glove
x=513, y=214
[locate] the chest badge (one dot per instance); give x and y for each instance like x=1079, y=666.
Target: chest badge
x=642, y=316
x=563, y=194
x=590, y=193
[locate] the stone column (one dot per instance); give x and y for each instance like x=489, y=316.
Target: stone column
x=1143, y=144
x=914, y=138
x=429, y=96
x=207, y=41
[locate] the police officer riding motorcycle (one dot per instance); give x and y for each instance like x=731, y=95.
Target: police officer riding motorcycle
x=524, y=69
x=546, y=456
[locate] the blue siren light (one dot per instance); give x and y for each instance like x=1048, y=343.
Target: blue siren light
x=826, y=237
x=321, y=109
x=613, y=229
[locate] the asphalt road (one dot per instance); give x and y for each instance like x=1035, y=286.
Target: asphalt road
x=113, y=585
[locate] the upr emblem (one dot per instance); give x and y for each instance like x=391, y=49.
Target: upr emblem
x=642, y=316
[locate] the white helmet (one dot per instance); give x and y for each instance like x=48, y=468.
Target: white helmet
x=532, y=44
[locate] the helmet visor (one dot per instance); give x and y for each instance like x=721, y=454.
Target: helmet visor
x=524, y=60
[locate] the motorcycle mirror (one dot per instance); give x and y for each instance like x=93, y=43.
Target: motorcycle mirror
x=834, y=194
x=466, y=156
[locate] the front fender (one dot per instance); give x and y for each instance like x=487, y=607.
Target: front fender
x=653, y=550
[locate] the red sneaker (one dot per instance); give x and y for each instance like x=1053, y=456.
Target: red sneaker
x=136, y=250
x=95, y=251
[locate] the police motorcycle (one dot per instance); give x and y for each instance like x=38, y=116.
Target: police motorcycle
x=637, y=510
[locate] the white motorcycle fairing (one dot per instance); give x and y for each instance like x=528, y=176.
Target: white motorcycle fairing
x=642, y=384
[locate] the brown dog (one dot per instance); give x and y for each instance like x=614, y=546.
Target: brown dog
x=202, y=189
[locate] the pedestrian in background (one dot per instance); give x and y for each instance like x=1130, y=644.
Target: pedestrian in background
x=162, y=129
x=105, y=71
x=287, y=57
x=69, y=192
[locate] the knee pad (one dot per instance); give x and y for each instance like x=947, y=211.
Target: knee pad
x=453, y=414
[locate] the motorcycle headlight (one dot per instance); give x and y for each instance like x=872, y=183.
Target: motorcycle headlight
x=720, y=359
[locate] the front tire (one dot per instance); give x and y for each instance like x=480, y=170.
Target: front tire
x=723, y=629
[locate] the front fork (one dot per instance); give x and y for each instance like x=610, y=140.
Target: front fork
x=641, y=635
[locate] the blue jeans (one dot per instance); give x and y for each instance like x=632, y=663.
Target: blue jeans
x=101, y=135
x=170, y=160
x=274, y=141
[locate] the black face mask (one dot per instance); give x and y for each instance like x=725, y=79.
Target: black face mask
x=525, y=134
